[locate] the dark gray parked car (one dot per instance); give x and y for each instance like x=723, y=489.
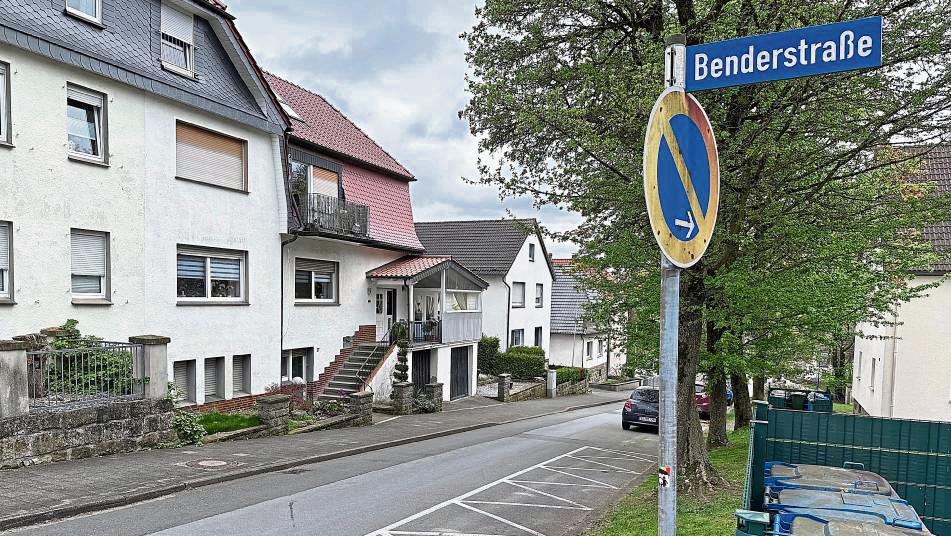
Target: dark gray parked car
x=641, y=408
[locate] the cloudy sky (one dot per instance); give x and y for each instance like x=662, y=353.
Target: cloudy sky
x=395, y=68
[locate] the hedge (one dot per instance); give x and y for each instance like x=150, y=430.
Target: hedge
x=527, y=350
x=571, y=374
x=520, y=366
x=488, y=354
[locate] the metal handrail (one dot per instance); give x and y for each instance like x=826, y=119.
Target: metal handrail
x=386, y=343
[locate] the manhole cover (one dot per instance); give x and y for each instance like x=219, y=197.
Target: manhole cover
x=210, y=465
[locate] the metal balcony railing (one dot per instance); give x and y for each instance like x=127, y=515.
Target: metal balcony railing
x=335, y=215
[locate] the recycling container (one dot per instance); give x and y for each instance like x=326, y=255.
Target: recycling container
x=796, y=524
x=858, y=507
x=780, y=475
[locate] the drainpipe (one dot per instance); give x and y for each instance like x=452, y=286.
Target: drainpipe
x=891, y=368
x=508, y=312
x=284, y=243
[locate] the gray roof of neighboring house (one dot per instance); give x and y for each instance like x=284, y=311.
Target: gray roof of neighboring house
x=486, y=247
x=567, y=301
x=127, y=49
x=937, y=169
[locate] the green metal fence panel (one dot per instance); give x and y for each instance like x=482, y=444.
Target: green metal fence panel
x=914, y=456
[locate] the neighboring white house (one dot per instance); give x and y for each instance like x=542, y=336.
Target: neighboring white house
x=142, y=170
x=575, y=342
x=511, y=256
x=902, y=369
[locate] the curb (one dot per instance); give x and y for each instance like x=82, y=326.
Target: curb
x=106, y=504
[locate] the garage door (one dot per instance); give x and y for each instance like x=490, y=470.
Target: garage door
x=459, y=373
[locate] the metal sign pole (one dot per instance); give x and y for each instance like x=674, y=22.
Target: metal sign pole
x=674, y=71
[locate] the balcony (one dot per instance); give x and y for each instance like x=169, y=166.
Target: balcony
x=328, y=214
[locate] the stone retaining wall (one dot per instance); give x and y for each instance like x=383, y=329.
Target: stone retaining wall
x=44, y=437
x=538, y=391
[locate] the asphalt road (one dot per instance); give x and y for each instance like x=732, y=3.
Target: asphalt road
x=550, y=476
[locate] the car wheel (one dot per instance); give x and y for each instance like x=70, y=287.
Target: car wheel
x=625, y=425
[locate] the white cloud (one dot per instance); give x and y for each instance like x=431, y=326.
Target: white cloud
x=396, y=68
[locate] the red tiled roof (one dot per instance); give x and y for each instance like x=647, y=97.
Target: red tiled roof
x=562, y=262
x=391, y=211
x=936, y=169
x=408, y=266
x=326, y=127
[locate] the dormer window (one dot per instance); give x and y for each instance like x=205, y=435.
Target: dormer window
x=90, y=10
x=178, y=38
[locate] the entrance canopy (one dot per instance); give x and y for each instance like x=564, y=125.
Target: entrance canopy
x=425, y=271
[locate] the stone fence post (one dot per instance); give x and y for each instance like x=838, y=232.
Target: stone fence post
x=403, y=398
x=14, y=391
x=361, y=404
x=505, y=387
x=433, y=392
x=274, y=412
x=155, y=363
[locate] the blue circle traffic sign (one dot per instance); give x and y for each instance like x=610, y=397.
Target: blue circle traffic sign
x=681, y=177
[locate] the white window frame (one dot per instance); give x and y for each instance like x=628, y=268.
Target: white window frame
x=6, y=276
x=539, y=336
x=518, y=284
x=521, y=332
x=531, y=252
x=5, y=122
x=451, y=304
x=244, y=387
x=97, y=18
x=871, y=381
x=209, y=254
x=539, y=295
x=589, y=350
x=99, y=119
x=334, y=281
x=103, y=294
x=188, y=48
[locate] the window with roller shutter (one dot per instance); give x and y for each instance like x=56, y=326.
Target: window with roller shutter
x=208, y=157
x=6, y=261
x=89, y=254
x=183, y=377
x=211, y=275
x=316, y=281
x=214, y=389
x=323, y=181
x=241, y=375
x=178, y=41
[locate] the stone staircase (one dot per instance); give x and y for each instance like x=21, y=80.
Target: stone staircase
x=348, y=379
x=363, y=335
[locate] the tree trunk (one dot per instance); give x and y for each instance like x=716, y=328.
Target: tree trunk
x=742, y=406
x=696, y=473
x=759, y=387
x=716, y=388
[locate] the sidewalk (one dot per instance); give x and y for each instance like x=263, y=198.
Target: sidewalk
x=35, y=494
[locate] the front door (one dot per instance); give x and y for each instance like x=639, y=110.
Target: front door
x=421, y=368
x=385, y=310
x=459, y=373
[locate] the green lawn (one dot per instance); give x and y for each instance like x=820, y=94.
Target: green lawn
x=841, y=408
x=711, y=515
x=215, y=422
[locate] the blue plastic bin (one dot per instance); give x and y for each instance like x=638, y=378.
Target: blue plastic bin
x=795, y=524
x=780, y=476
x=857, y=507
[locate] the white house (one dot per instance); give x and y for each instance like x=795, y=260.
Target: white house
x=142, y=170
x=574, y=341
x=511, y=256
x=902, y=369
x=351, y=225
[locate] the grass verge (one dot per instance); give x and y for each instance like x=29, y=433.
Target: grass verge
x=710, y=515
x=215, y=422
x=841, y=408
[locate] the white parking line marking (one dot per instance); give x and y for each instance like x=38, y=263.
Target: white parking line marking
x=532, y=505
x=604, y=484
x=642, y=457
x=501, y=519
x=467, y=500
x=604, y=464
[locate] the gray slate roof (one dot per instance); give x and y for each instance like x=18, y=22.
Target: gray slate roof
x=128, y=49
x=486, y=247
x=937, y=169
x=567, y=302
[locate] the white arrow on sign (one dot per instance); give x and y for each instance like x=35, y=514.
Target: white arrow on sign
x=689, y=225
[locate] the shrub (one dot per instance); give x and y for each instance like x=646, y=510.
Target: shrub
x=401, y=369
x=527, y=350
x=328, y=408
x=189, y=428
x=521, y=366
x=98, y=369
x=422, y=404
x=571, y=374
x=488, y=354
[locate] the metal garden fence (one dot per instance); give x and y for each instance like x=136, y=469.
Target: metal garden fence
x=97, y=372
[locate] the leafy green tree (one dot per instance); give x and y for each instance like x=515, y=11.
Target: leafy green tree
x=818, y=224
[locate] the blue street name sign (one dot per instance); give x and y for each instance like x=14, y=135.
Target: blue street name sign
x=829, y=48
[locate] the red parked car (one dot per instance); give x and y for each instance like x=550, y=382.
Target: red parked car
x=703, y=400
